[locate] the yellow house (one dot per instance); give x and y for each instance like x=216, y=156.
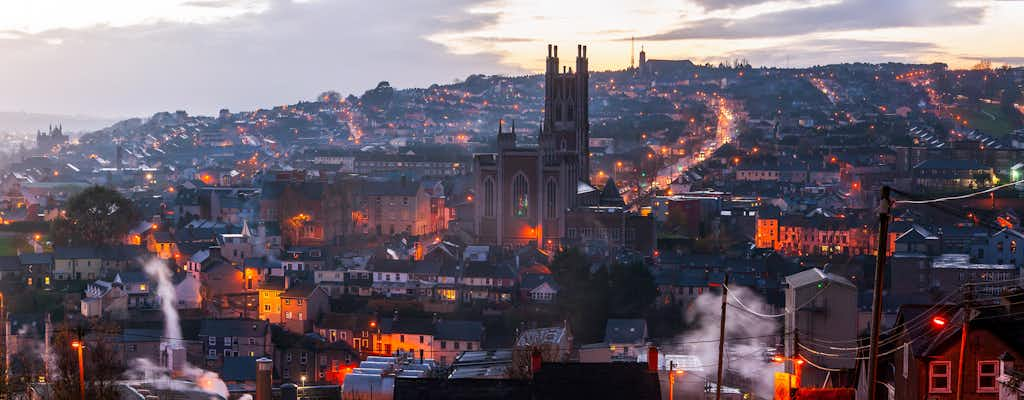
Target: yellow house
x=76, y=263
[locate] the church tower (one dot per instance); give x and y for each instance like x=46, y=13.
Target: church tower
x=565, y=132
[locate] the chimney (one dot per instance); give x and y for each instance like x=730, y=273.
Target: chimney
x=556, y=51
x=535, y=361
x=652, y=359
x=264, y=369
x=289, y=392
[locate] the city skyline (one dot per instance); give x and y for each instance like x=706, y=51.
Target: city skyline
x=245, y=54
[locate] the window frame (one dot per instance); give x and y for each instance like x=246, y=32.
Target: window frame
x=994, y=375
x=932, y=376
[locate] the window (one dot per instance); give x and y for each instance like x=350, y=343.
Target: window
x=552, y=199
x=288, y=315
x=298, y=301
x=212, y=353
x=987, y=373
x=444, y=345
x=456, y=345
x=132, y=348
x=488, y=197
x=227, y=340
x=520, y=196
x=287, y=301
x=252, y=341
x=266, y=307
x=401, y=338
x=938, y=377
x=421, y=338
x=213, y=340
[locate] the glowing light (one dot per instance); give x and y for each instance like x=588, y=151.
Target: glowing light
x=939, y=322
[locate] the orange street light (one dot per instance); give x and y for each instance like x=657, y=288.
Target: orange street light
x=81, y=369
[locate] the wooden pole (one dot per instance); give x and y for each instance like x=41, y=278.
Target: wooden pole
x=876, y=304
x=963, y=343
x=721, y=339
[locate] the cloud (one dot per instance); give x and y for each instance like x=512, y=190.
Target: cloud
x=722, y=4
x=819, y=51
x=847, y=15
x=290, y=51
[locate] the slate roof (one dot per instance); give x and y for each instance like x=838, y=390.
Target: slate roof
x=36, y=259
x=385, y=265
x=459, y=330
x=238, y=369
x=625, y=330
x=10, y=263
x=240, y=327
x=74, y=252
x=813, y=276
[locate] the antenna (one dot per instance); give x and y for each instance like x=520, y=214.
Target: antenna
x=631, y=40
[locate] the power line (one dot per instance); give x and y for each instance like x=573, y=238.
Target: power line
x=960, y=197
x=749, y=310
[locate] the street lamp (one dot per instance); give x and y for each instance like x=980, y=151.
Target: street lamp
x=798, y=362
x=672, y=382
x=77, y=345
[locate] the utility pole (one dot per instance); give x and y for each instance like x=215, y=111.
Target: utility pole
x=876, y=305
x=966, y=312
x=721, y=339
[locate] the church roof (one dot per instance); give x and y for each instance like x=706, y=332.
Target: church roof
x=610, y=195
x=583, y=187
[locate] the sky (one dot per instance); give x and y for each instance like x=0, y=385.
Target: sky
x=122, y=58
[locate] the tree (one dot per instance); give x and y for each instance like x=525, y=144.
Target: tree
x=96, y=216
x=631, y=290
x=582, y=293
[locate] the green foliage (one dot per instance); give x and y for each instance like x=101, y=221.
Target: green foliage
x=588, y=296
x=98, y=215
x=631, y=290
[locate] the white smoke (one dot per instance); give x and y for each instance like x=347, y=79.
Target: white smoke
x=748, y=337
x=207, y=381
x=159, y=271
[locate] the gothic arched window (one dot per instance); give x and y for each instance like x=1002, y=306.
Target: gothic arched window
x=520, y=195
x=489, y=197
x=552, y=199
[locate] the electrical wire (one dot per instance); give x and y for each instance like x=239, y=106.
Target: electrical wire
x=959, y=197
x=749, y=310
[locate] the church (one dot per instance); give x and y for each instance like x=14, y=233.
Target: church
x=524, y=193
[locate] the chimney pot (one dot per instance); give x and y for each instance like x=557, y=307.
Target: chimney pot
x=652, y=359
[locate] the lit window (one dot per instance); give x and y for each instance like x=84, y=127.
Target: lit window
x=520, y=196
x=987, y=373
x=938, y=377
